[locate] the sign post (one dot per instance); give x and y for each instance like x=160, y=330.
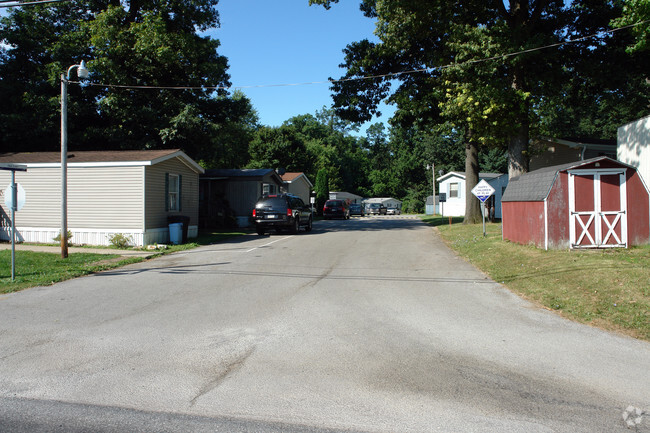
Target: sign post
x=14, y=199
x=483, y=191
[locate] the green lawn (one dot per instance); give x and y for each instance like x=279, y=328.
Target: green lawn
x=608, y=288
x=42, y=269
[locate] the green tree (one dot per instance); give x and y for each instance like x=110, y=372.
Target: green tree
x=322, y=189
x=636, y=13
x=132, y=48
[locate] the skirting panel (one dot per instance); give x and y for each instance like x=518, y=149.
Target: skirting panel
x=92, y=236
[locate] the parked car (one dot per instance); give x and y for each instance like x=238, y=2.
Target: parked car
x=336, y=209
x=281, y=211
x=357, y=209
x=393, y=211
x=376, y=209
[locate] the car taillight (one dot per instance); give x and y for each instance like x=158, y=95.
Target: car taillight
x=254, y=213
x=289, y=212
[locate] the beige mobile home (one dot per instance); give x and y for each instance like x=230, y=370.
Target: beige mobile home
x=133, y=193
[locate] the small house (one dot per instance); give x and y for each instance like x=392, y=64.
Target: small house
x=547, y=152
x=596, y=203
x=133, y=193
x=386, y=201
x=342, y=195
x=297, y=184
x=452, y=185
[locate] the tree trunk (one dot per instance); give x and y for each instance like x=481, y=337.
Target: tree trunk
x=518, y=145
x=472, y=204
x=518, y=150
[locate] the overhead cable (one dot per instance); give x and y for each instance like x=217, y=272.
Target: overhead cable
x=372, y=77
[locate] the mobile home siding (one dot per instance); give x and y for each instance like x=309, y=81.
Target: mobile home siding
x=156, y=214
x=42, y=197
x=633, y=146
x=105, y=198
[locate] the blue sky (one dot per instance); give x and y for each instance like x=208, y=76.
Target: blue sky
x=272, y=43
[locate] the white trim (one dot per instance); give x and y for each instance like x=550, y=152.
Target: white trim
x=87, y=236
x=545, y=224
x=597, y=217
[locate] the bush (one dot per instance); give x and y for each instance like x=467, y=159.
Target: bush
x=119, y=240
x=58, y=237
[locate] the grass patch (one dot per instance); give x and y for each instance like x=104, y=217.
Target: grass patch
x=608, y=288
x=43, y=269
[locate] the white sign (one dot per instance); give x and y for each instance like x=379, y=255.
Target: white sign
x=483, y=190
x=20, y=197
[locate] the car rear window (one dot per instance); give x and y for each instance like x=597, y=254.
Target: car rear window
x=273, y=203
x=334, y=203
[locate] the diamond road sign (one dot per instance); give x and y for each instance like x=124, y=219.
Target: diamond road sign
x=483, y=190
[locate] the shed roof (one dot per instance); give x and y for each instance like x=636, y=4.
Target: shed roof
x=99, y=157
x=536, y=185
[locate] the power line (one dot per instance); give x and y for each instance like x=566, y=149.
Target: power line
x=371, y=77
x=13, y=4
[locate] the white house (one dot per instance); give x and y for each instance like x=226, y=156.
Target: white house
x=452, y=185
x=633, y=146
x=340, y=195
x=386, y=201
x=133, y=193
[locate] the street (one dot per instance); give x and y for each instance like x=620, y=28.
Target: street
x=365, y=325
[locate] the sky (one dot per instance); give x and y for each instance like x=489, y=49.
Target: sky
x=279, y=43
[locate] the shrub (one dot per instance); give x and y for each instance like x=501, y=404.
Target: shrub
x=119, y=240
x=58, y=237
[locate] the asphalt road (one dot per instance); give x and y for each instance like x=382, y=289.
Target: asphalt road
x=368, y=325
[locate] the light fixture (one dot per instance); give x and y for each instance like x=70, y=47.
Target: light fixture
x=82, y=72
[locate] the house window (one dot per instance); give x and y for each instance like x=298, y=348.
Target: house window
x=268, y=188
x=173, y=188
x=454, y=190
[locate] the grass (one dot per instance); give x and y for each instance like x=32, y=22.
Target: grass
x=607, y=288
x=43, y=269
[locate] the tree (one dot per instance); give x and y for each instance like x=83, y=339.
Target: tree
x=322, y=190
x=636, y=13
x=132, y=49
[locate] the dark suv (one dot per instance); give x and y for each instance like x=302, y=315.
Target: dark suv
x=281, y=211
x=336, y=209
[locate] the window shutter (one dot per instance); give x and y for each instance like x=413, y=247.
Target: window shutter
x=180, y=192
x=166, y=192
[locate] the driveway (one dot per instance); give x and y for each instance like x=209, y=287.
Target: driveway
x=362, y=325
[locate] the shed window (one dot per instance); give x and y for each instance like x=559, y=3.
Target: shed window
x=454, y=190
x=173, y=192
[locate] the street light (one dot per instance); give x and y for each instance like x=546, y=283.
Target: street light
x=82, y=72
x=432, y=167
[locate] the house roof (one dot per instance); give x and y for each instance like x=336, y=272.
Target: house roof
x=292, y=176
x=536, y=185
x=461, y=174
x=235, y=172
x=99, y=158
x=250, y=173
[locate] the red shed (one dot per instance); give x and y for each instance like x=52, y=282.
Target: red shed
x=595, y=203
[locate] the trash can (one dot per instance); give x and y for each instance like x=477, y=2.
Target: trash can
x=175, y=233
x=185, y=223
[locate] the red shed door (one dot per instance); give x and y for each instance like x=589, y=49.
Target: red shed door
x=598, y=209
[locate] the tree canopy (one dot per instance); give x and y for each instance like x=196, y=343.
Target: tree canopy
x=132, y=49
